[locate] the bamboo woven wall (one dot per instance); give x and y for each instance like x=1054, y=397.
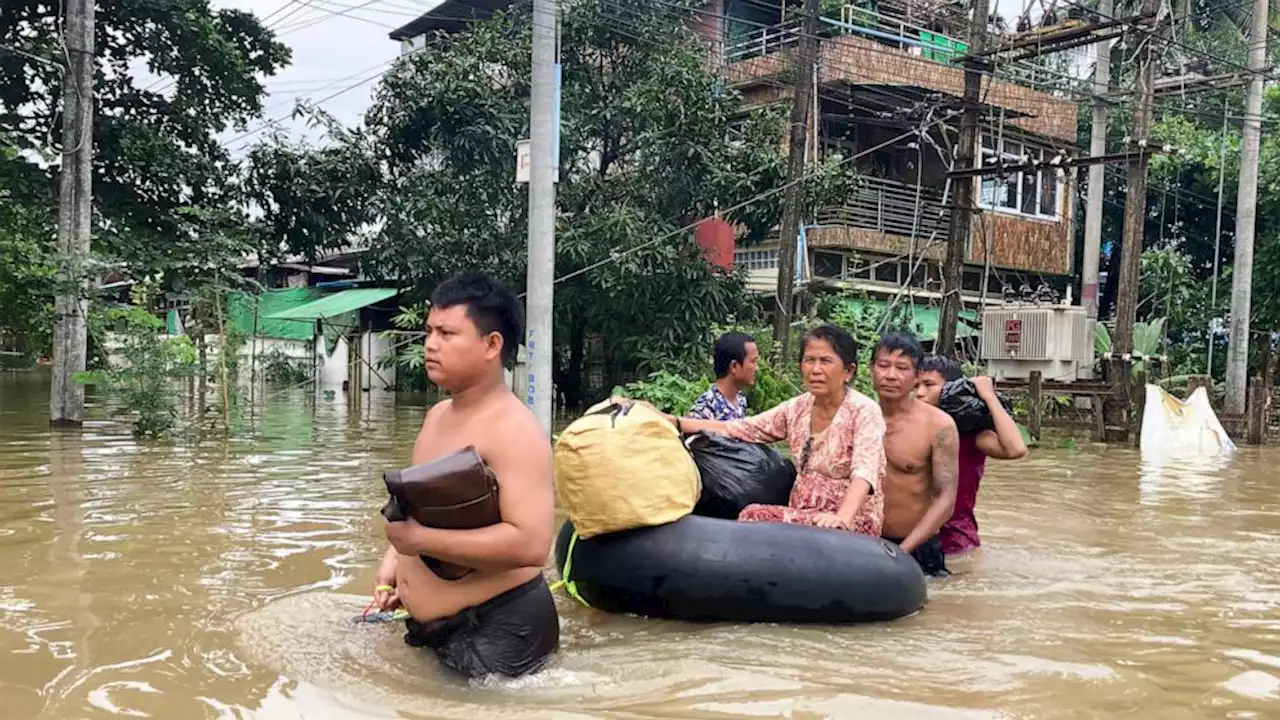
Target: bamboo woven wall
x=1021, y=243
x=860, y=61
x=851, y=238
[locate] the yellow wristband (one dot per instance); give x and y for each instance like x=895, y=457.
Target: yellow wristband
x=385, y=588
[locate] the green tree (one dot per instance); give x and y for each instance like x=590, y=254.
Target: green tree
x=155, y=148
x=1210, y=39
x=312, y=198
x=651, y=141
x=26, y=255
x=1186, y=185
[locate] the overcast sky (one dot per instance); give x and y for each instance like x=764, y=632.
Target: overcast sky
x=337, y=43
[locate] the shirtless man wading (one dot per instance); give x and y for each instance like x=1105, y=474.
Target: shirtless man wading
x=922, y=454
x=500, y=619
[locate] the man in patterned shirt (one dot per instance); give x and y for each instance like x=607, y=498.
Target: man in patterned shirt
x=736, y=357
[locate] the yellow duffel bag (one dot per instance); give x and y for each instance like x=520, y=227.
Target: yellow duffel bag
x=623, y=468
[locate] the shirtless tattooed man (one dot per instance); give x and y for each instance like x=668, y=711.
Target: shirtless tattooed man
x=922, y=453
x=500, y=619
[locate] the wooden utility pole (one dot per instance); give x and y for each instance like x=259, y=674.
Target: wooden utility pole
x=1246, y=215
x=1097, y=173
x=793, y=197
x=71, y=306
x=1135, y=213
x=962, y=213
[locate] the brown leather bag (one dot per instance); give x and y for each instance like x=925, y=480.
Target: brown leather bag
x=454, y=492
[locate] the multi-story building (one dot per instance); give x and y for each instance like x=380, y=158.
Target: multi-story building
x=887, y=68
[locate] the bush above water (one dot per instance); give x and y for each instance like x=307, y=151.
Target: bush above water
x=149, y=363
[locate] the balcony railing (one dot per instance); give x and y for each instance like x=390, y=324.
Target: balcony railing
x=853, y=20
x=891, y=207
x=886, y=30
x=763, y=41
x=897, y=31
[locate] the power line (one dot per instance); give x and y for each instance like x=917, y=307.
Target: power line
x=617, y=255
x=301, y=5
x=618, y=25
x=1196, y=52
x=327, y=14
x=23, y=53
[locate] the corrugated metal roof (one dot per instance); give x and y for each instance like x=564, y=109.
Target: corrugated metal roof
x=452, y=16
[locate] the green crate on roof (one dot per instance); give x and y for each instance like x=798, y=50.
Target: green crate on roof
x=930, y=45
x=940, y=48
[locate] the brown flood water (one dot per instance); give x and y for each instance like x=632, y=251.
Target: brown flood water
x=217, y=581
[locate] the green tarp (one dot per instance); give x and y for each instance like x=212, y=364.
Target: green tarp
x=921, y=320
x=241, y=306
x=338, y=311
x=331, y=306
x=172, y=323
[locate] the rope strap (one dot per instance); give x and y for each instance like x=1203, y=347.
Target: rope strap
x=566, y=581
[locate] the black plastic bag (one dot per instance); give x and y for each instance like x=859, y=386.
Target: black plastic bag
x=960, y=400
x=736, y=474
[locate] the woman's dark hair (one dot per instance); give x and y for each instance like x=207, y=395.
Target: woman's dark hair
x=732, y=346
x=489, y=304
x=839, y=340
x=902, y=342
x=948, y=368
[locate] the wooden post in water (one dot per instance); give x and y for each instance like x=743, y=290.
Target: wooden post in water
x=1138, y=400
x=1099, y=419
x=253, y=355
x=203, y=387
x=1035, y=404
x=225, y=380
x=1255, y=418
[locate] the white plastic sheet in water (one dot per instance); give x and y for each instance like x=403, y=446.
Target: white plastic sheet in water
x=1185, y=428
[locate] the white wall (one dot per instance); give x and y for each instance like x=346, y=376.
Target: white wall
x=518, y=380
x=332, y=369
x=376, y=348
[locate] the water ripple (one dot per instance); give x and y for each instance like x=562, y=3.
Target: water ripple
x=218, y=579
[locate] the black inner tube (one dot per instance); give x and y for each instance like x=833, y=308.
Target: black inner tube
x=709, y=569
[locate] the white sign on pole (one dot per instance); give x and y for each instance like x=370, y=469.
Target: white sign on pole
x=524, y=161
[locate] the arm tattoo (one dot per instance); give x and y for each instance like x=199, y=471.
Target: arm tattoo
x=945, y=460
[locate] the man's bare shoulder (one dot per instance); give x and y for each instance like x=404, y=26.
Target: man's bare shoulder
x=512, y=428
x=942, y=424
x=436, y=417
x=426, y=447
x=437, y=411
x=515, y=416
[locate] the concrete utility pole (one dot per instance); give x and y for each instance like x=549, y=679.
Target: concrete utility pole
x=793, y=196
x=75, y=207
x=1097, y=173
x=1246, y=213
x=1135, y=213
x=962, y=212
x=542, y=210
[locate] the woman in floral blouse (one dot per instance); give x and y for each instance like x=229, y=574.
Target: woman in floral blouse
x=836, y=436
